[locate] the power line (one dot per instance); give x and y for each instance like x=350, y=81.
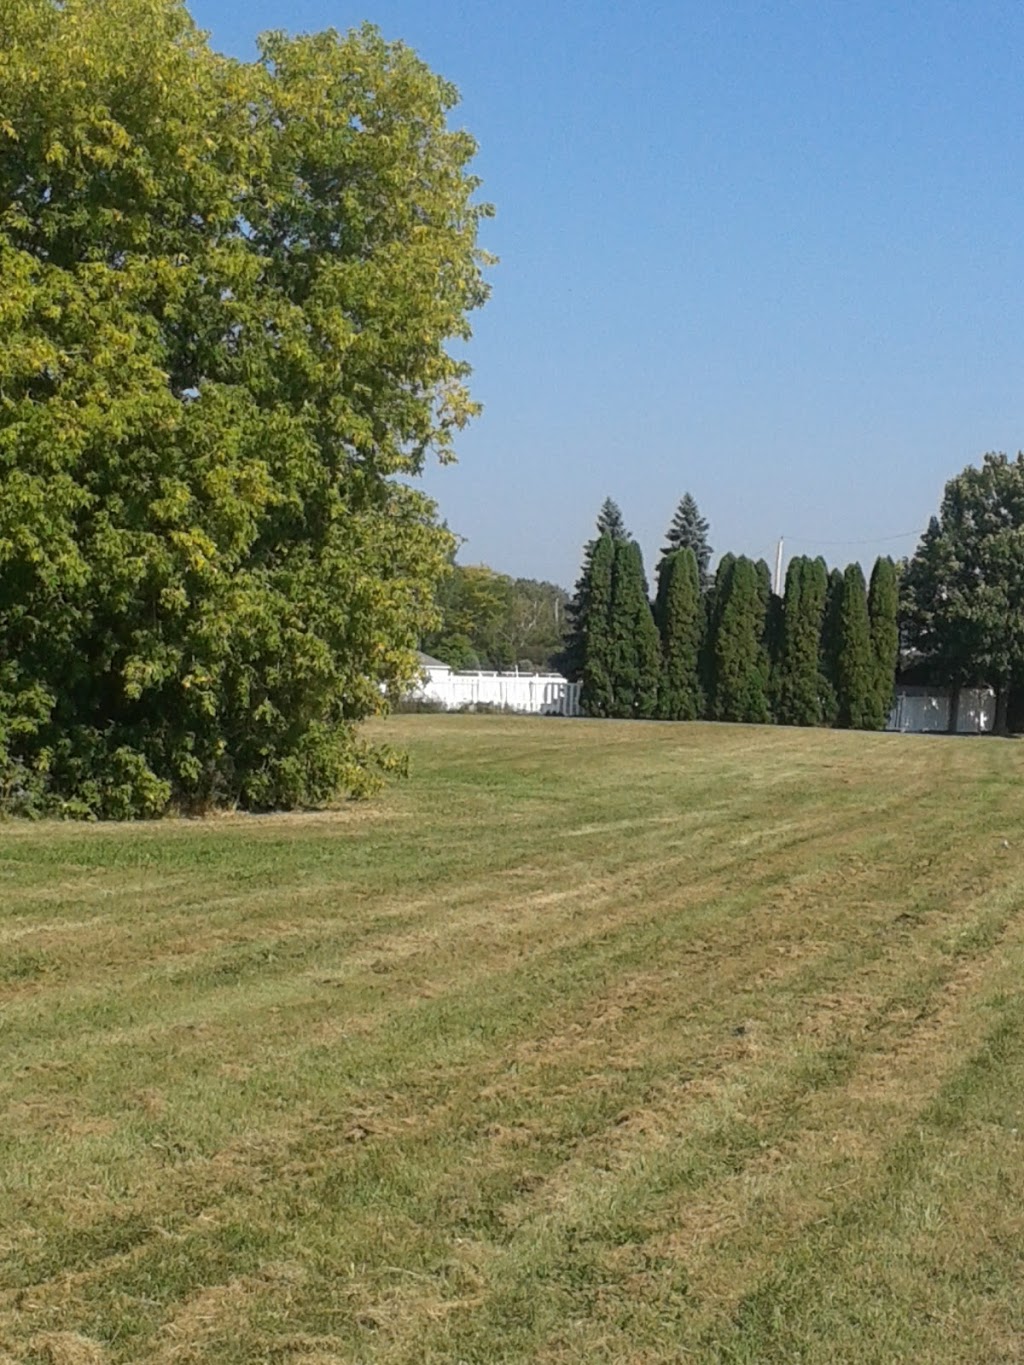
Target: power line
x=868, y=540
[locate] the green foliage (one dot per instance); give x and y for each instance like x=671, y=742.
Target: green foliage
x=489, y=620
x=739, y=657
x=689, y=530
x=610, y=521
x=883, y=614
x=965, y=584
x=680, y=619
x=855, y=670
x=831, y=639
x=597, y=697
x=713, y=599
x=635, y=646
x=227, y=294
x=799, y=688
x=611, y=524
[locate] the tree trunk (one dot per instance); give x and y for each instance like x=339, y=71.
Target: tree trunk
x=1001, y=725
x=954, y=709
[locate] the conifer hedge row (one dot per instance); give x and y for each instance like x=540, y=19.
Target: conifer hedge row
x=723, y=646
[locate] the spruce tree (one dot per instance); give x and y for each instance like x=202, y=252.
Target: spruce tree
x=831, y=638
x=596, y=694
x=855, y=665
x=799, y=701
x=740, y=675
x=681, y=621
x=611, y=524
x=610, y=521
x=689, y=531
x=635, y=650
x=883, y=613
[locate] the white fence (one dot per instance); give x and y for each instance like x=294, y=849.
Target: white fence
x=925, y=710
x=541, y=694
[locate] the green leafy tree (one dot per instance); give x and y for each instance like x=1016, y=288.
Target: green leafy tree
x=689, y=531
x=799, y=692
x=856, y=674
x=883, y=616
x=473, y=603
x=680, y=620
x=965, y=584
x=597, y=694
x=228, y=293
x=739, y=659
x=611, y=524
x=635, y=647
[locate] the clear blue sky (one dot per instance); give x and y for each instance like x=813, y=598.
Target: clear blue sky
x=772, y=253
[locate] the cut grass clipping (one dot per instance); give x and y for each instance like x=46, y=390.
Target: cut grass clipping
x=591, y=1042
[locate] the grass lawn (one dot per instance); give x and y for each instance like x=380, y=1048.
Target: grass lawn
x=591, y=1042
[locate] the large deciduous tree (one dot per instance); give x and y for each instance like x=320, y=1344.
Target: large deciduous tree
x=227, y=293
x=965, y=584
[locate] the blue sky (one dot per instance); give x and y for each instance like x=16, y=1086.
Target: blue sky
x=772, y=253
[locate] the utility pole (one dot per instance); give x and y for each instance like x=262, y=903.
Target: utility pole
x=778, y=568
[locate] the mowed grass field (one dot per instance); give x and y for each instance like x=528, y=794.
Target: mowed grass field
x=590, y=1042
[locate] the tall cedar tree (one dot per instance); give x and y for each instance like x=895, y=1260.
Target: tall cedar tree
x=883, y=615
x=635, y=647
x=680, y=619
x=771, y=627
x=739, y=656
x=230, y=292
x=831, y=640
x=689, y=531
x=713, y=599
x=799, y=696
x=855, y=666
x=597, y=697
x=609, y=523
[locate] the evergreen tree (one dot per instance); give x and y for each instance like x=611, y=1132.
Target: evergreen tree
x=689, y=531
x=799, y=678
x=831, y=638
x=681, y=621
x=611, y=524
x=740, y=674
x=635, y=649
x=596, y=694
x=771, y=624
x=883, y=614
x=855, y=665
x=713, y=599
